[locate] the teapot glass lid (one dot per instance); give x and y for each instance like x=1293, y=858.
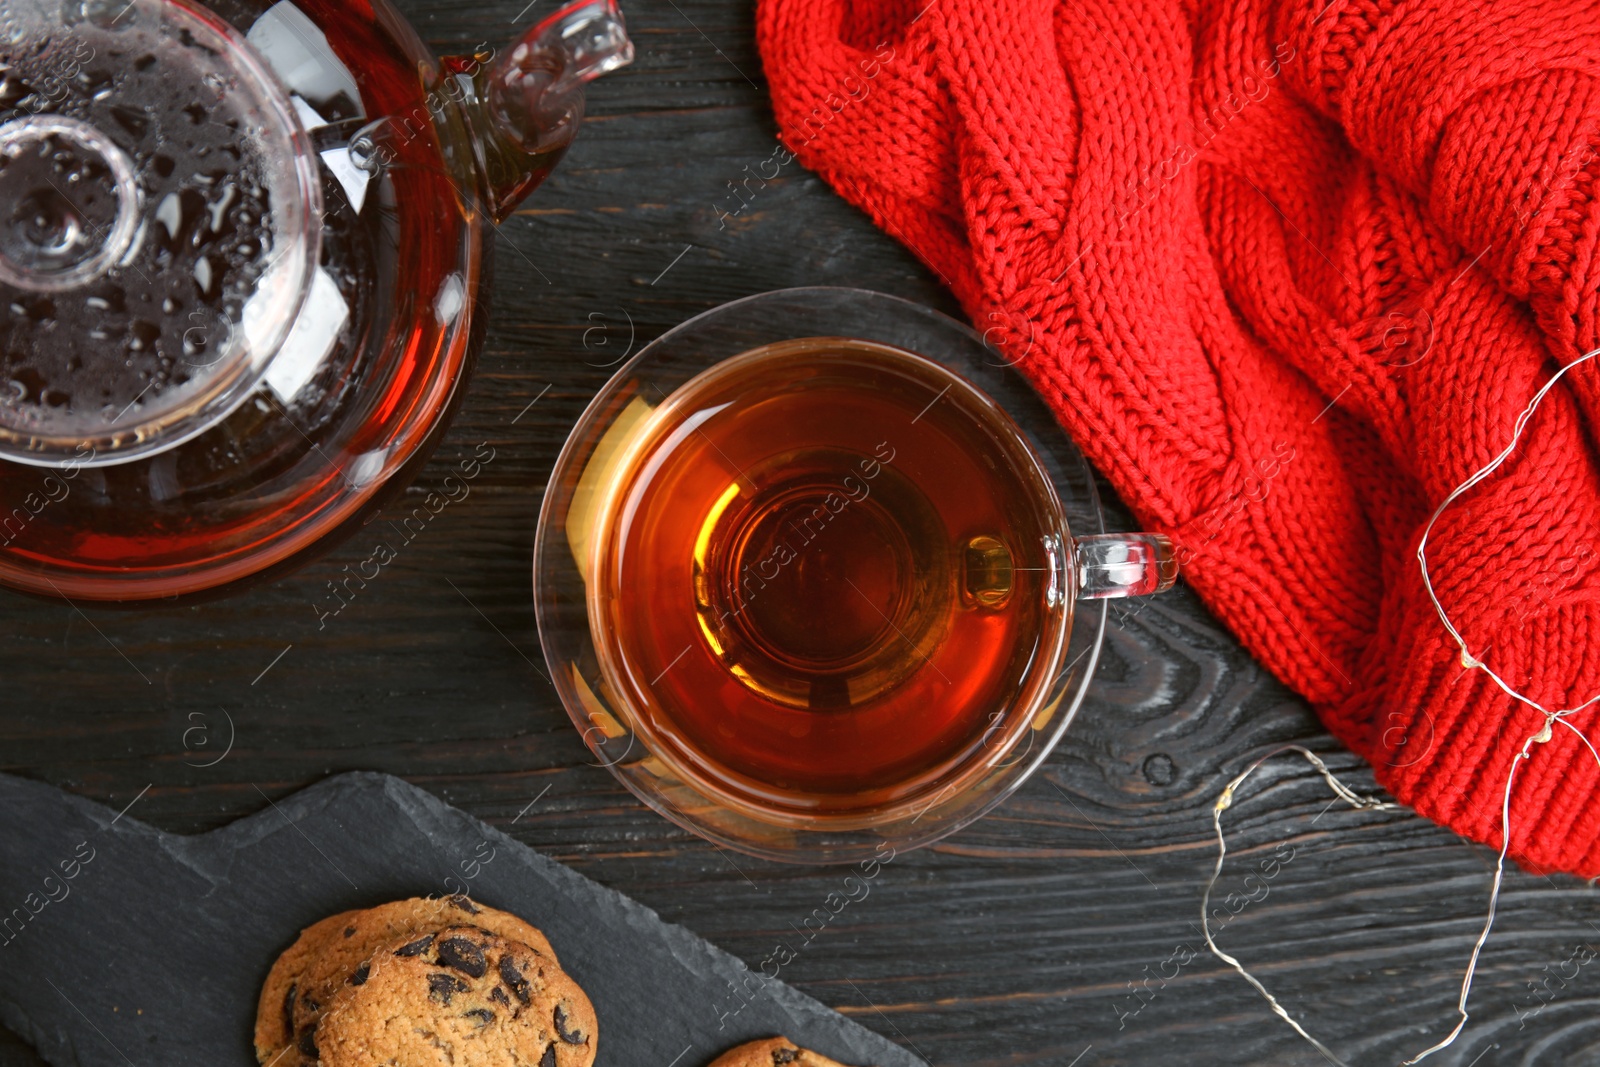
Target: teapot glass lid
x=158, y=207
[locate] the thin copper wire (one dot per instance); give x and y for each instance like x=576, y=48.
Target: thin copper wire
x=1355, y=800
x=1224, y=802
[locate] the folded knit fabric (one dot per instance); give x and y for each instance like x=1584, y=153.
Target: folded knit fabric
x=1288, y=272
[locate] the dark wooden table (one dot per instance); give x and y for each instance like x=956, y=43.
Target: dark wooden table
x=1062, y=929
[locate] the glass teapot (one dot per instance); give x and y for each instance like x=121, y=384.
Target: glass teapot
x=243, y=251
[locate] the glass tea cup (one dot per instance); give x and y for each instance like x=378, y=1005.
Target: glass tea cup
x=816, y=571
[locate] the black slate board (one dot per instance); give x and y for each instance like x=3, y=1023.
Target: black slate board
x=154, y=951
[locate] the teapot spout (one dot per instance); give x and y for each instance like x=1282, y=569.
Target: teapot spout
x=530, y=99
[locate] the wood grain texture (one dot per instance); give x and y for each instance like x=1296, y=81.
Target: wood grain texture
x=1062, y=929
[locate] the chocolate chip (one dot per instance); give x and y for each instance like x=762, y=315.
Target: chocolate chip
x=416, y=948
x=360, y=975
x=442, y=987
x=464, y=903
x=464, y=956
x=308, y=1041
x=288, y=1011
x=513, y=978
x=498, y=995
x=571, y=1037
x=483, y=1015
x=780, y=1056
x=549, y=1057
x=349, y=931
x=311, y=1004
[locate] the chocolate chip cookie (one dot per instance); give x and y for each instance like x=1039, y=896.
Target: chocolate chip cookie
x=772, y=1052
x=275, y=1011
x=343, y=958
x=462, y=997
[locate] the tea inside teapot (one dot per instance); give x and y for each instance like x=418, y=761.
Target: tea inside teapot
x=241, y=258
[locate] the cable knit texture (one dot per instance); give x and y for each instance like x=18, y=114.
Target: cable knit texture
x=1288, y=272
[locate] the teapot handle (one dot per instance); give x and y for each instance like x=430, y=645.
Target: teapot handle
x=531, y=97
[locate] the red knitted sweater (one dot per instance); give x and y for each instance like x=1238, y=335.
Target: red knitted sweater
x=1288, y=271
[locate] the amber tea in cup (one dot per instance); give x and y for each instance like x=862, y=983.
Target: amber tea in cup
x=805, y=577
x=822, y=568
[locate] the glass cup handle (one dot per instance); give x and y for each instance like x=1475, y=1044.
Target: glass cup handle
x=1119, y=565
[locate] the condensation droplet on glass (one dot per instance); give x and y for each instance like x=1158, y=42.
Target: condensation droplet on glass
x=170, y=214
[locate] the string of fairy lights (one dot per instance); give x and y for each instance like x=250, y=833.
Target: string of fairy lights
x=1369, y=803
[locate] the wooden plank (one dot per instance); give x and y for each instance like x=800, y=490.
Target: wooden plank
x=1062, y=929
